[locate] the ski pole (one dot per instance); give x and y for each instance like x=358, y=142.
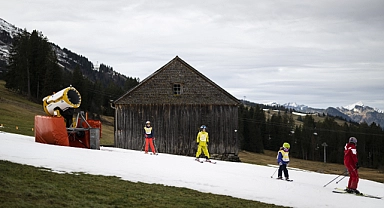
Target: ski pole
x=335, y=178
x=341, y=179
x=154, y=144
x=142, y=147
x=274, y=173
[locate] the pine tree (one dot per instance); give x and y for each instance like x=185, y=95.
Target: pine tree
x=33, y=68
x=17, y=76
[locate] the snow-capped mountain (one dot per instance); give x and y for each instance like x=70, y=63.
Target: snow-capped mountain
x=7, y=32
x=12, y=30
x=352, y=106
x=359, y=107
x=294, y=105
x=357, y=112
x=273, y=103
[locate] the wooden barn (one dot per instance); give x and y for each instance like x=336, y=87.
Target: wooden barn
x=178, y=99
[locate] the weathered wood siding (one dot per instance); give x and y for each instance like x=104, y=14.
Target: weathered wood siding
x=176, y=127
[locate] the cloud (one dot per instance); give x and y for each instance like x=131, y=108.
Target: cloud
x=323, y=53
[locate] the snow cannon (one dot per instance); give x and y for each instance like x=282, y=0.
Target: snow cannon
x=60, y=128
x=67, y=98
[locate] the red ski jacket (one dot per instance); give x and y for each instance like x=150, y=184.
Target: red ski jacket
x=350, y=155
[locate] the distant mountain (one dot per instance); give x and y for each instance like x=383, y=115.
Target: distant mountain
x=7, y=32
x=67, y=59
x=295, y=106
x=336, y=113
x=356, y=112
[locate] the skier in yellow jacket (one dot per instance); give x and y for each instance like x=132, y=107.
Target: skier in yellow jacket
x=202, y=142
x=283, y=160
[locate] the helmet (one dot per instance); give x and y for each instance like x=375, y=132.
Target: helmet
x=353, y=140
x=148, y=122
x=286, y=145
x=203, y=127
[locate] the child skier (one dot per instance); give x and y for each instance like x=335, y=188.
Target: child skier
x=283, y=160
x=148, y=133
x=351, y=163
x=202, y=142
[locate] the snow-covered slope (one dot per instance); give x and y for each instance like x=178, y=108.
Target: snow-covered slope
x=240, y=180
x=9, y=28
x=7, y=32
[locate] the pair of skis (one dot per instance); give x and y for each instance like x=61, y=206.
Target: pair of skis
x=281, y=179
x=151, y=153
x=207, y=161
x=343, y=191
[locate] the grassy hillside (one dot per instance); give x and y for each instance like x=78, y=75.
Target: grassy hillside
x=16, y=113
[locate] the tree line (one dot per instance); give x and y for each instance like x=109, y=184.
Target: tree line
x=34, y=71
x=261, y=130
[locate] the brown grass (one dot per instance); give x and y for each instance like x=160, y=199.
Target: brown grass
x=107, y=131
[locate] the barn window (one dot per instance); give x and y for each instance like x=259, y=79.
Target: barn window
x=176, y=89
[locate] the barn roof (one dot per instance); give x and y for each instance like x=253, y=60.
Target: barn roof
x=127, y=96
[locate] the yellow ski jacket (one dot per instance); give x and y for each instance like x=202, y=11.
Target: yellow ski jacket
x=202, y=138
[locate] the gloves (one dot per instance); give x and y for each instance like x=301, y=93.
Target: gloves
x=280, y=163
x=357, y=166
x=197, y=143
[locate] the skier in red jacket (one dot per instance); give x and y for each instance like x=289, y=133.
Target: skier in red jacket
x=351, y=163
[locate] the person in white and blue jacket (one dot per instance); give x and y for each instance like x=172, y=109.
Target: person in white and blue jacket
x=283, y=160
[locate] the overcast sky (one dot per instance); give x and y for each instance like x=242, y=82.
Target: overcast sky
x=318, y=53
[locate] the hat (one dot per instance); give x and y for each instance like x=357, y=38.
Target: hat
x=352, y=140
x=286, y=145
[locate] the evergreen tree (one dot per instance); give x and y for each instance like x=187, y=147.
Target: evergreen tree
x=259, y=117
x=240, y=132
x=251, y=130
x=17, y=76
x=30, y=60
x=52, y=76
x=276, y=127
x=111, y=93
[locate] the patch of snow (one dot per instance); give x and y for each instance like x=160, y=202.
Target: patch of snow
x=299, y=114
x=241, y=180
x=352, y=106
